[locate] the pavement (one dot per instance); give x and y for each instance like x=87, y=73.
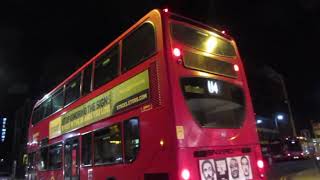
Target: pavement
x=295, y=170
x=310, y=174
x=8, y=178
x=5, y=178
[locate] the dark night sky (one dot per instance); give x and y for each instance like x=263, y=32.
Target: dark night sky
x=41, y=42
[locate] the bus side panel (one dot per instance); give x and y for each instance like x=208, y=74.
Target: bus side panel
x=152, y=158
x=49, y=175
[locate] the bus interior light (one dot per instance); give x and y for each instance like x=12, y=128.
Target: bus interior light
x=185, y=174
x=176, y=52
x=211, y=44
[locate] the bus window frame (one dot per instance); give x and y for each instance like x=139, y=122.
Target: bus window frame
x=61, y=156
x=98, y=58
x=65, y=89
x=62, y=88
x=63, y=105
x=78, y=155
x=124, y=140
x=82, y=80
x=93, y=164
x=144, y=59
x=40, y=158
x=91, y=148
x=202, y=28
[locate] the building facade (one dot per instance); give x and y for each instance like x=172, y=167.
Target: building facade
x=20, y=134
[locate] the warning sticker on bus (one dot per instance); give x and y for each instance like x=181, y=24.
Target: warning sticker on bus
x=230, y=168
x=127, y=94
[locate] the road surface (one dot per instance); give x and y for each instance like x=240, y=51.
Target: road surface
x=294, y=170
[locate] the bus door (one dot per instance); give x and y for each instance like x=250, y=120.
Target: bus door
x=71, y=159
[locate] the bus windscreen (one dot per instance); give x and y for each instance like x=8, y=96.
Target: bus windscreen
x=214, y=103
x=208, y=64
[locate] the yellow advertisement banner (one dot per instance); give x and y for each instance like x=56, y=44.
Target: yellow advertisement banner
x=129, y=93
x=55, y=128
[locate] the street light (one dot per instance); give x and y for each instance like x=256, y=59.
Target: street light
x=279, y=117
x=288, y=104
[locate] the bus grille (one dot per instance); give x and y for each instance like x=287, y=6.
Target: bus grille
x=155, y=85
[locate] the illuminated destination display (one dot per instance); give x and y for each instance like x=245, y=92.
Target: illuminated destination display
x=212, y=87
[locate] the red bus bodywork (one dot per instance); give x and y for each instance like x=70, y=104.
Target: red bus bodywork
x=172, y=143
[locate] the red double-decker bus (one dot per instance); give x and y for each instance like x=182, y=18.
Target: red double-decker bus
x=167, y=100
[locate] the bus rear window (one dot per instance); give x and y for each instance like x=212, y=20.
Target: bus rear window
x=293, y=145
x=202, y=40
x=214, y=103
x=208, y=64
